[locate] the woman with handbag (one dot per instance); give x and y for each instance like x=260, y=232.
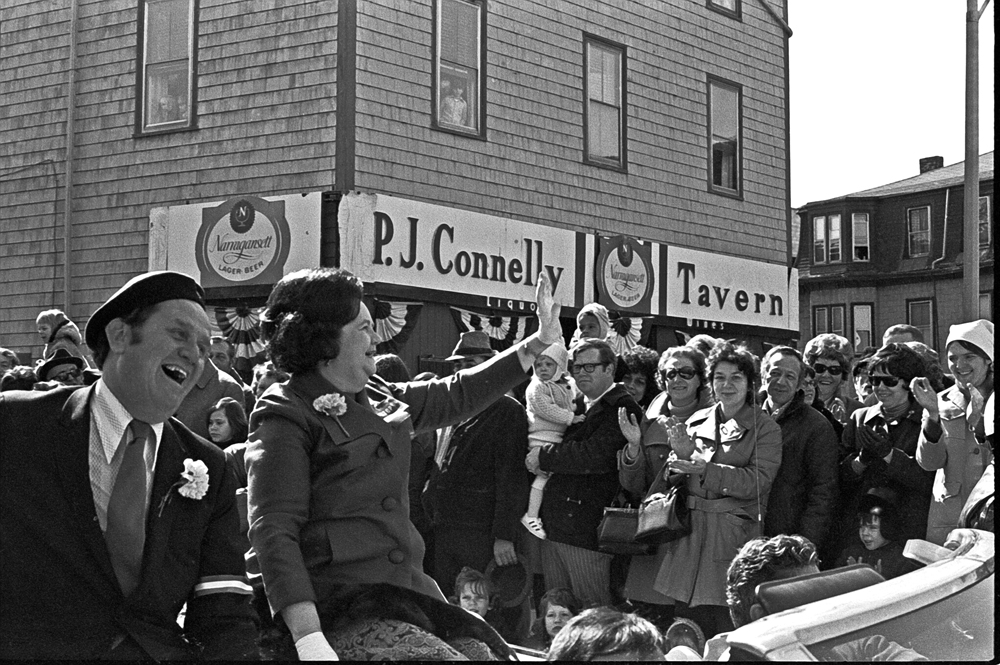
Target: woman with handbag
x=730, y=454
x=681, y=378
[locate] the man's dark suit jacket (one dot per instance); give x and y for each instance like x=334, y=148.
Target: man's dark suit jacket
x=59, y=597
x=584, y=470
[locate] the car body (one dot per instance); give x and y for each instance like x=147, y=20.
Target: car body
x=943, y=611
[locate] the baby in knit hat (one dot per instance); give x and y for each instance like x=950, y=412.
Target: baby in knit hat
x=549, y=398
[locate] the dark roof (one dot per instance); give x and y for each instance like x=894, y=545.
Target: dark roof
x=947, y=176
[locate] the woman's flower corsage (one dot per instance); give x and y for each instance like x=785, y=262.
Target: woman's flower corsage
x=192, y=485
x=333, y=405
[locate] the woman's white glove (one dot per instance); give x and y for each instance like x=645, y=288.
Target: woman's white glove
x=547, y=310
x=315, y=647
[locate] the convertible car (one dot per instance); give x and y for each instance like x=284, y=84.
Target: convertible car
x=942, y=612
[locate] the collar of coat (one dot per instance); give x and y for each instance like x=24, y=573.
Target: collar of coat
x=703, y=423
x=873, y=413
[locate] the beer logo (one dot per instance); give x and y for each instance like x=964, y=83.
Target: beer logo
x=242, y=242
x=625, y=275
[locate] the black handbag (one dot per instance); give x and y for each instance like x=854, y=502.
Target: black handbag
x=663, y=514
x=616, y=531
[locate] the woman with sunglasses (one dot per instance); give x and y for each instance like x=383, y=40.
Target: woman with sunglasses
x=953, y=437
x=830, y=357
x=880, y=443
x=681, y=378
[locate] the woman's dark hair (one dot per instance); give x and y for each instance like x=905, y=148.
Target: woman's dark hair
x=602, y=631
x=21, y=377
x=641, y=361
x=703, y=343
x=304, y=315
x=898, y=360
x=391, y=367
x=692, y=353
x=745, y=361
x=236, y=417
x=560, y=596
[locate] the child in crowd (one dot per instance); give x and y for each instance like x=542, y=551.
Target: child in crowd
x=555, y=608
x=877, y=545
x=592, y=322
x=474, y=592
x=549, y=399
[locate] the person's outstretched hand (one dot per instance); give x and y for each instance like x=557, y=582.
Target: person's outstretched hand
x=547, y=310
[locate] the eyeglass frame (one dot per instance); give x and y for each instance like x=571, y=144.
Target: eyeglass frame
x=69, y=373
x=582, y=367
x=887, y=381
x=670, y=375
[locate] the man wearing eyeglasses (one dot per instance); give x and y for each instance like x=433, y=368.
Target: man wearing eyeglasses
x=804, y=494
x=584, y=477
x=62, y=368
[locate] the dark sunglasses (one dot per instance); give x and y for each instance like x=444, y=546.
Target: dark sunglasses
x=684, y=372
x=834, y=370
x=66, y=376
x=887, y=381
x=589, y=368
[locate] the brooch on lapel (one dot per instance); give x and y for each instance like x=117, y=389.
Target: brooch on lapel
x=192, y=485
x=333, y=405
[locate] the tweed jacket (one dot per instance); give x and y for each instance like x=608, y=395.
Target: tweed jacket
x=59, y=597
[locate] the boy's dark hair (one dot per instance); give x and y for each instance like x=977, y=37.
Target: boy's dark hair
x=759, y=561
x=602, y=631
x=478, y=581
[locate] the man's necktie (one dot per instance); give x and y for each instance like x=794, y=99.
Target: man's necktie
x=126, y=530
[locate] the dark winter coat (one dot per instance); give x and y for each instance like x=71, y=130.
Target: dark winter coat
x=584, y=471
x=804, y=493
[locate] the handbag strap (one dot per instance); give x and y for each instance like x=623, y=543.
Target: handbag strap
x=661, y=483
x=621, y=499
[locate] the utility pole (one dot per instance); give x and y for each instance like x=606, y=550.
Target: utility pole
x=970, y=234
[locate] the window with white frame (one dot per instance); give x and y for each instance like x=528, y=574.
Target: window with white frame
x=167, y=63
x=819, y=239
x=605, y=95
x=724, y=126
x=828, y=319
x=918, y=231
x=458, y=65
x=985, y=228
x=920, y=315
x=728, y=7
x=827, y=246
x=862, y=319
x=861, y=243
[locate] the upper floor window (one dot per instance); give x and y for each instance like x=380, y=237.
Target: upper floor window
x=985, y=228
x=827, y=239
x=167, y=63
x=458, y=65
x=728, y=7
x=605, y=102
x=861, y=242
x=724, y=126
x=862, y=318
x=828, y=319
x=920, y=314
x=918, y=231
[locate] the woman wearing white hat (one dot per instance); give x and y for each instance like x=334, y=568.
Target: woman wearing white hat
x=953, y=438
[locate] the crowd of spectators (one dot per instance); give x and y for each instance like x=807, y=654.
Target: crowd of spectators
x=823, y=457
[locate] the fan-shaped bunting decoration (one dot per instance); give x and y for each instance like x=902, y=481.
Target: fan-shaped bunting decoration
x=626, y=331
x=241, y=326
x=503, y=331
x=394, y=322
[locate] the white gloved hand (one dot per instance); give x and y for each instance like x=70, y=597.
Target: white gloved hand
x=547, y=310
x=315, y=647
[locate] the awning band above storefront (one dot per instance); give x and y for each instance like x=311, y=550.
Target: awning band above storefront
x=503, y=331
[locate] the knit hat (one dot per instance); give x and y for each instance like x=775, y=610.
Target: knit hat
x=599, y=312
x=978, y=333
x=559, y=355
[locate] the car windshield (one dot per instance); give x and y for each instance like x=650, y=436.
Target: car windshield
x=959, y=627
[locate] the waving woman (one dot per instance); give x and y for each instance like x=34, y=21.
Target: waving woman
x=328, y=458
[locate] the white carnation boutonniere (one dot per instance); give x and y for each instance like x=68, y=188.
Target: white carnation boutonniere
x=193, y=483
x=333, y=405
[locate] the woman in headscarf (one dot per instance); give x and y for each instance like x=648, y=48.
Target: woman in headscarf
x=953, y=435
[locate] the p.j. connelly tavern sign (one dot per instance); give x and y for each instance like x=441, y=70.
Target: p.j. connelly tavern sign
x=495, y=260
x=245, y=240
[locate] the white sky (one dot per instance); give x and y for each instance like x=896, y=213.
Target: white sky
x=875, y=86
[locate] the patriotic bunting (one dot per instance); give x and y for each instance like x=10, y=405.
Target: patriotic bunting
x=503, y=331
x=394, y=322
x=627, y=331
x=241, y=326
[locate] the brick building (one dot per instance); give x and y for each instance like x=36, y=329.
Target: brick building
x=893, y=254
x=445, y=150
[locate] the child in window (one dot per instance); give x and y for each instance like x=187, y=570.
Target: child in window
x=549, y=399
x=877, y=545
